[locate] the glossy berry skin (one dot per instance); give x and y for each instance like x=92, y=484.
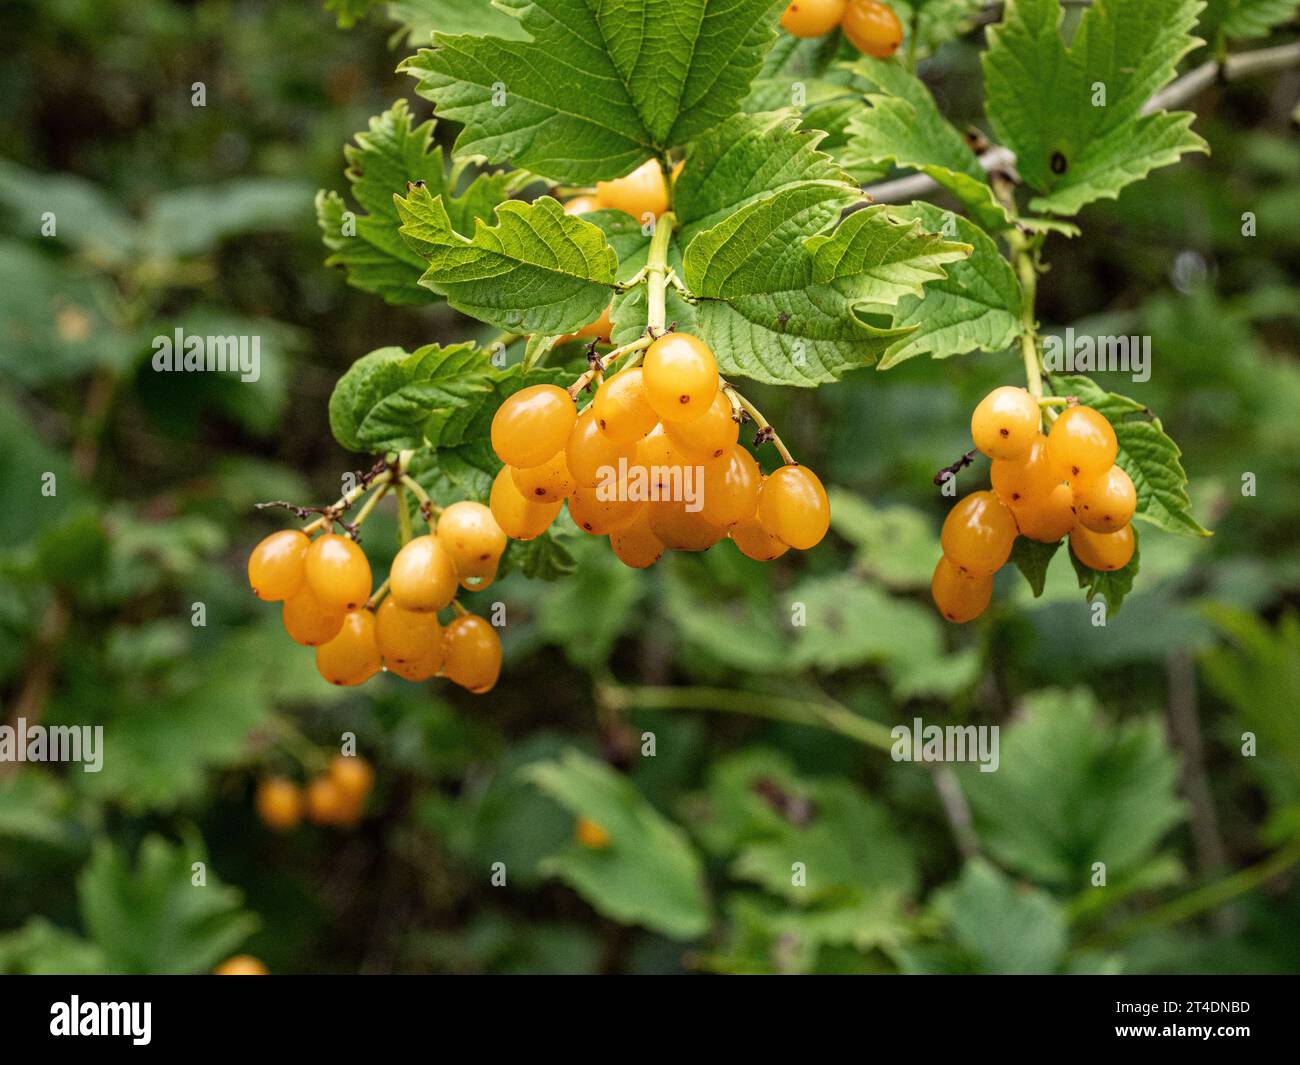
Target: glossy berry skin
x=636, y=545
x=977, y=534
x=405, y=636
x=279, y=803
x=756, y=542
x=482, y=578
x=471, y=537
x=353, y=774
x=422, y=577
x=277, y=566
x=418, y=669
x=873, y=28
x=639, y=193
x=813, y=18
x=960, y=599
x=1047, y=518
x=793, y=507
x=338, y=573
x=622, y=411
x=581, y=205
x=532, y=425
x=1081, y=444
x=328, y=803
x=681, y=377
x=1108, y=503
x=710, y=435
x=352, y=657
x=730, y=487
x=589, y=451
x=519, y=518
x=591, y=834
x=1016, y=481
x=600, y=329
x=307, y=622
x=680, y=529
x=1103, y=551
x=600, y=517
x=241, y=965
x=1005, y=423
x=548, y=483
x=471, y=653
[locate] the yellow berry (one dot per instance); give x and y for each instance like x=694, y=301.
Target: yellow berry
x=872, y=28
x=681, y=377
x=591, y=455
x=353, y=774
x=581, y=205
x=730, y=487
x=622, y=411
x=519, y=518
x=307, y=622
x=813, y=18
x=680, y=529
x=959, y=598
x=241, y=965
x=352, y=657
x=1017, y=481
x=532, y=425
x=636, y=545
x=279, y=803
x=793, y=507
x=639, y=193
x=1103, y=551
x=978, y=533
x=338, y=573
x=600, y=517
x=547, y=483
x=1005, y=423
x=708, y=436
x=756, y=542
x=329, y=804
x=423, y=577
x=1081, y=444
x=1108, y=503
x=405, y=636
x=277, y=566
x=471, y=653
x=471, y=537
x=1047, y=518
x=591, y=834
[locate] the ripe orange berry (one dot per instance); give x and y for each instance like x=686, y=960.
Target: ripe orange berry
x=532, y=425
x=329, y=804
x=959, y=598
x=338, y=573
x=405, y=636
x=581, y=205
x=680, y=529
x=277, y=566
x=519, y=518
x=307, y=622
x=471, y=537
x=422, y=577
x=756, y=542
x=636, y=545
x=622, y=411
x=589, y=452
x=813, y=18
x=417, y=669
x=352, y=657
x=353, y=774
x=641, y=192
x=873, y=28
x=1017, y=481
x=241, y=965
x=1081, y=444
x=471, y=653
x=708, y=436
x=681, y=377
x=730, y=487
x=591, y=834
x=1047, y=518
x=599, y=329
x=600, y=517
x=279, y=803
x=1005, y=423
x=1103, y=551
x=547, y=483
x=1108, y=503
x=793, y=507
x=978, y=533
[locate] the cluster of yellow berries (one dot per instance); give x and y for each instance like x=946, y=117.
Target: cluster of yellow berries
x=1045, y=487
x=334, y=797
x=653, y=462
x=870, y=26
x=325, y=583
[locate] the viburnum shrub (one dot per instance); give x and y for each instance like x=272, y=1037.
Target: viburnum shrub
x=653, y=211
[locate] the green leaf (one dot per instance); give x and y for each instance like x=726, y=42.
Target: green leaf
x=777, y=303
x=84, y=215
x=588, y=614
x=1073, y=789
x=649, y=874
x=545, y=558
x=896, y=545
x=1040, y=95
x=36, y=805
x=1244, y=20
x=40, y=948
x=420, y=18
x=1111, y=585
x=1032, y=559
x=151, y=918
x=350, y=12
x=975, y=308
x=538, y=270
x=1146, y=453
x=903, y=126
x=601, y=87
x=192, y=221
x=390, y=155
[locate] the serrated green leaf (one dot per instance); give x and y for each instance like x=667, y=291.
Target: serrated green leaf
x=391, y=154
x=1111, y=585
x=1146, y=453
x=649, y=874
x=600, y=88
x=1244, y=20
x=421, y=18
x=1032, y=559
x=777, y=303
x=538, y=270
x=976, y=307
x=1040, y=95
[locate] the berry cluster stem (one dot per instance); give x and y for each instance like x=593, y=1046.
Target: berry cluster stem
x=657, y=273
x=1024, y=259
x=599, y=366
x=765, y=431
